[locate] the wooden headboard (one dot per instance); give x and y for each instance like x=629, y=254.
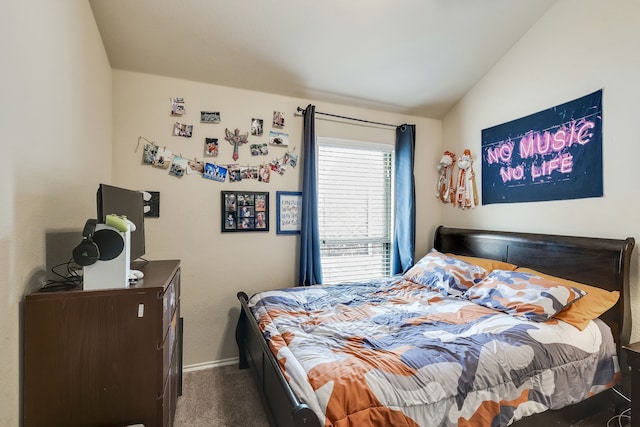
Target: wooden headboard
x=598, y=262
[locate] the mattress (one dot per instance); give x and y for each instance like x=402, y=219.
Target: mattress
x=394, y=352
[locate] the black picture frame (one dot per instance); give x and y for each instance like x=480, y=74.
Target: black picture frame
x=288, y=212
x=244, y=211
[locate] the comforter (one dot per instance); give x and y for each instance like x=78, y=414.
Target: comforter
x=394, y=353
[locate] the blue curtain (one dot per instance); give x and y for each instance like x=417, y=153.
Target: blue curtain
x=310, y=267
x=404, y=239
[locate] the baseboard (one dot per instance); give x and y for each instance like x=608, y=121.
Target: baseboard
x=209, y=365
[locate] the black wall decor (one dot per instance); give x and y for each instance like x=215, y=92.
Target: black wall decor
x=245, y=211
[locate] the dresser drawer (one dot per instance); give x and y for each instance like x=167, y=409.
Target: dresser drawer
x=168, y=347
x=168, y=399
x=170, y=300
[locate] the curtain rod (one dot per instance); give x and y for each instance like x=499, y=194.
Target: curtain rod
x=302, y=110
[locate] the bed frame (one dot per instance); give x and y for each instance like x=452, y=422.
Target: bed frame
x=598, y=262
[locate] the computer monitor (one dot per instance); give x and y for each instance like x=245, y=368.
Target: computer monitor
x=120, y=201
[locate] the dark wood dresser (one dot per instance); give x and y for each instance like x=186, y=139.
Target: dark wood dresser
x=104, y=357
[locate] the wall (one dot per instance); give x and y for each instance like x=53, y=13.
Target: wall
x=215, y=265
x=56, y=146
x=579, y=46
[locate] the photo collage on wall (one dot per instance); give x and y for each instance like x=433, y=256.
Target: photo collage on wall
x=245, y=211
x=214, y=167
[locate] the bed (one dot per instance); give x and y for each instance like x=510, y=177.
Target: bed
x=603, y=263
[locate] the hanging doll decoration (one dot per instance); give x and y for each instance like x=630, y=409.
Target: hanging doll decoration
x=466, y=191
x=444, y=190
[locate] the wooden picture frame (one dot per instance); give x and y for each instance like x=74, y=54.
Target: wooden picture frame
x=244, y=211
x=288, y=212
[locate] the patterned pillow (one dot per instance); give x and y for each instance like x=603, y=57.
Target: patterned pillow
x=596, y=302
x=523, y=294
x=445, y=274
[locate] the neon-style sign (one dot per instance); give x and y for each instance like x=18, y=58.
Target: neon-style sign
x=541, y=144
x=560, y=145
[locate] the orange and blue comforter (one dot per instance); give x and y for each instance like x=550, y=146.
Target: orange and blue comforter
x=394, y=353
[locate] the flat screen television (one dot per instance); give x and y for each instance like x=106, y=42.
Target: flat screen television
x=120, y=201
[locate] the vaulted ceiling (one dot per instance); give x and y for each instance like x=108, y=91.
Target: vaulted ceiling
x=414, y=57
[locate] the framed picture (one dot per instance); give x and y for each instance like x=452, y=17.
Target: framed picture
x=289, y=212
x=245, y=211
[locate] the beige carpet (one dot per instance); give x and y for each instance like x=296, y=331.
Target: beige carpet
x=220, y=397
x=228, y=397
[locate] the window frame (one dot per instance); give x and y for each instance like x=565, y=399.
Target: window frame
x=384, y=149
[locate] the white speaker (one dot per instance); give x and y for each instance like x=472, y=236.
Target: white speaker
x=112, y=268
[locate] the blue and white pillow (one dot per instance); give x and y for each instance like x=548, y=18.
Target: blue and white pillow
x=445, y=274
x=523, y=295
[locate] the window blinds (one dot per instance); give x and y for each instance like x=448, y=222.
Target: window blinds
x=354, y=209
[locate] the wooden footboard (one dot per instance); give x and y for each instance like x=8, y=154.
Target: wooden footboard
x=283, y=406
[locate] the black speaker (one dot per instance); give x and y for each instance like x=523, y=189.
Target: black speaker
x=110, y=243
x=87, y=252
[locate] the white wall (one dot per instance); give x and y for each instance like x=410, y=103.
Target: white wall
x=56, y=147
x=579, y=46
x=215, y=265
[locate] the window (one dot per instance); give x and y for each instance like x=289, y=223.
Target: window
x=355, y=200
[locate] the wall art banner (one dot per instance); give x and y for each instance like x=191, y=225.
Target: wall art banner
x=555, y=154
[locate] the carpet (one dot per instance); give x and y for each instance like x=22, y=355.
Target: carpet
x=228, y=397
x=220, y=397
